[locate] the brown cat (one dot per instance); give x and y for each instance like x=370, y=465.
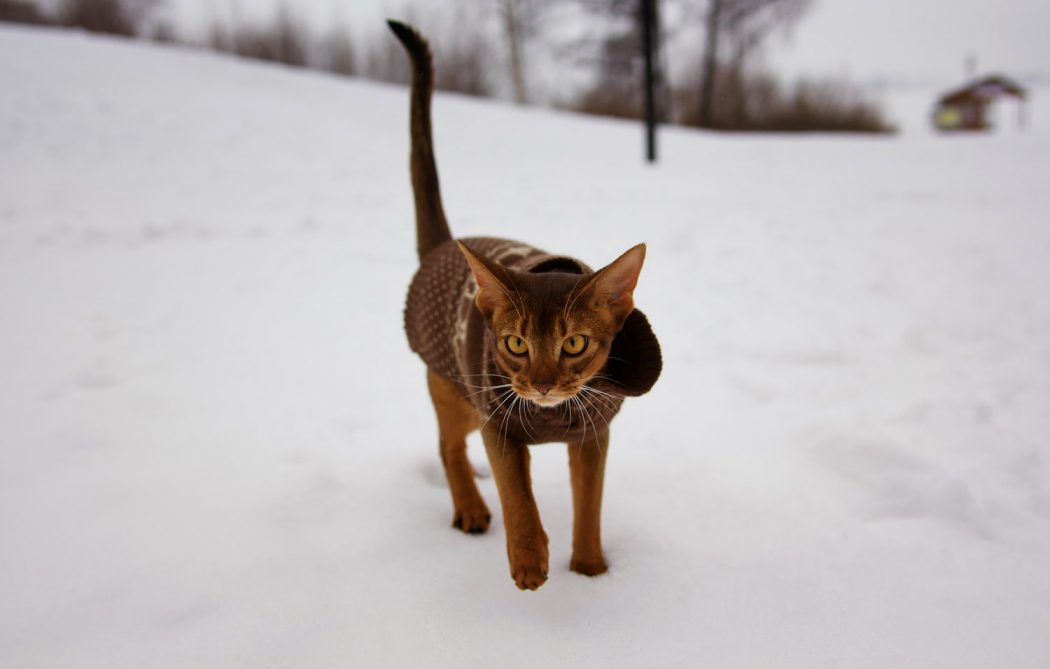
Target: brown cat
x=525, y=346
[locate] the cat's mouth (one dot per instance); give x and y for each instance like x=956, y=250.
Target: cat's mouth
x=551, y=398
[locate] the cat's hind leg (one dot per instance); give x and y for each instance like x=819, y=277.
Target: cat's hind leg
x=456, y=419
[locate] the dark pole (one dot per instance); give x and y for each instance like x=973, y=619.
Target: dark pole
x=649, y=46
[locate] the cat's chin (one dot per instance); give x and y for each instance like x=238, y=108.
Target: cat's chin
x=547, y=402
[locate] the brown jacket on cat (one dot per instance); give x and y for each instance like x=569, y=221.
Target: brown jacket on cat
x=526, y=346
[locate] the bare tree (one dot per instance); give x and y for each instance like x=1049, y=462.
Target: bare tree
x=462, y=52
x=385, y=59
x=23, y=11
x=512, y=31
x=284, y=39
x=462, y=66
x=615, y=91
x=520, y=22
x=291, y=38
x=116, y=17
x=742, y=24
x=338, y=52
x=620, y=62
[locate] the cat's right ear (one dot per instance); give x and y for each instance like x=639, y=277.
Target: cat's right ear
x=493, y=281
x=613, y=285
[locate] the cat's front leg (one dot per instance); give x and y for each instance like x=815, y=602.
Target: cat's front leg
x=526, y=540
x=587, y=471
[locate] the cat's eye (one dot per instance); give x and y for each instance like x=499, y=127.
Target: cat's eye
x=575, y=345
x=516, y=345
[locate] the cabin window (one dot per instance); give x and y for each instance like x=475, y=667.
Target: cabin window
x=948, y=118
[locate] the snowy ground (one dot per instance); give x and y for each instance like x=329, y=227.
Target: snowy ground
x=217, y=449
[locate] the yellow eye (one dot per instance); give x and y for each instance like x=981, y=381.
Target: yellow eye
x=575, y=345
x=516, y=345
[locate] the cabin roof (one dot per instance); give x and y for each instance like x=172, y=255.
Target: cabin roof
x=984, y=89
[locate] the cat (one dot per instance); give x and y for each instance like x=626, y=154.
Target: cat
x=527, y=347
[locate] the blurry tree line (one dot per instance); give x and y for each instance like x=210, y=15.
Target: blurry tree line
x=503, y=48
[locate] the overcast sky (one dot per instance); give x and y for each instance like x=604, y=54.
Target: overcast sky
x=923, y=40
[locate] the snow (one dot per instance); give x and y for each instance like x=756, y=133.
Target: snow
x=217, y=449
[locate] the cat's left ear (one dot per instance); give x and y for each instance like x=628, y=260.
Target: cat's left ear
x=613, y=285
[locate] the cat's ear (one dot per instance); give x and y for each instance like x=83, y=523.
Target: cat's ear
x=613, y=285
x=494, y=284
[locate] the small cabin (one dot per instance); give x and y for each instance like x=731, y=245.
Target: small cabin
x=966, y=108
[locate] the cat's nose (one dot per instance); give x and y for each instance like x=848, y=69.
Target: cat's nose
x=542, y=388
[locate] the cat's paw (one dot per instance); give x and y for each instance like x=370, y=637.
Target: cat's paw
x=472, y=521
x=529, y=577
x=528, y=568
x=588, y=567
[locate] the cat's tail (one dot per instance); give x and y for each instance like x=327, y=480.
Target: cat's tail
x=431, y=226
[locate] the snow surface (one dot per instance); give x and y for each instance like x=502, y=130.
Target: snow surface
x=217, y=449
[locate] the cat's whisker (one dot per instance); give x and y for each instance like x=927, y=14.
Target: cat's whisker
x=568, y=410
x=474, y=384
x=469, y=385
x=597, y=410
x=608, y=379
x=593, y=426
x=608, y=409
x=583, y=415
x=485, y=388
x=499, y=433
x=580, y=389
x=503, y=399
x=604, y=402
x=466, y=376
x=579, y=449
x=590, y=419
x=528, y=410
x=506, y=425
x=524, y=421
x=497, y=397
x=602, y=392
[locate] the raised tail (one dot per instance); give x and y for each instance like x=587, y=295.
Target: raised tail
x=431, y=226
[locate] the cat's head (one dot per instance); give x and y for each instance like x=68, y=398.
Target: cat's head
x=556, y=330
